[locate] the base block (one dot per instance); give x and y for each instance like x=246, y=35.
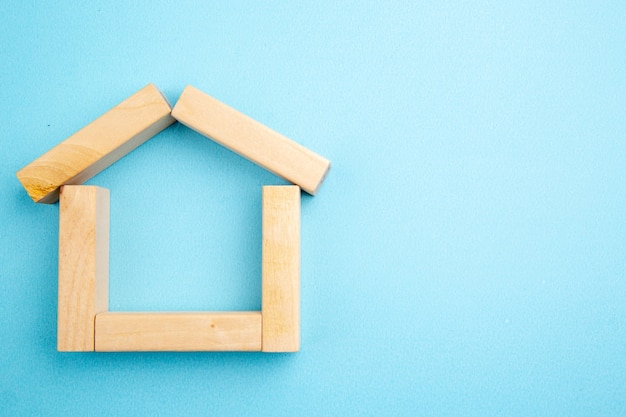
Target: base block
x=224, y=331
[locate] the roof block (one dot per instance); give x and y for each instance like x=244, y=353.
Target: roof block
x=251, y=139
x=97, y=145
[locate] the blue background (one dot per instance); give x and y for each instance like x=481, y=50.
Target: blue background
x=466, y=255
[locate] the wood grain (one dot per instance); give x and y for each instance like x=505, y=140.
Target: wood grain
x=251, y=139
x=281, y=269
x=97, y=145
x=185, y=331
x=83, y=264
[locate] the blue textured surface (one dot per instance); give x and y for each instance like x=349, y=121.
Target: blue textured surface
x=466, y=256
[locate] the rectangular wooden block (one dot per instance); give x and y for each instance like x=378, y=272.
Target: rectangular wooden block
x=97, y=145
x=281, y=269
x=251, y=139
x=83, y=264
x=225, y=331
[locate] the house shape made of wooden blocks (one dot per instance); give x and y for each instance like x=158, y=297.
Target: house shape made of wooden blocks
x=84, y=322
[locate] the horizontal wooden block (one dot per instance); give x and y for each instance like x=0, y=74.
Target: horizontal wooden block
x=224, y=331
x=83, y=264
x=251, y=139
x=281, y=269
x=97, y=145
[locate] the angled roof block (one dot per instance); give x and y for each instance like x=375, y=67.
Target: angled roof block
x=97, y=145
x=251, y=139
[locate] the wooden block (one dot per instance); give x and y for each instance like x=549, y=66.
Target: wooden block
x=226, y=331
x=83, y=264
x=281, y=269
x=251, y=139
x=97, y=145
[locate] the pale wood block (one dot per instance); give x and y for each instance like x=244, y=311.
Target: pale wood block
x=83, y=264
x=184, y=331
x=281, y=269
x=251, y=139
x=97, y=145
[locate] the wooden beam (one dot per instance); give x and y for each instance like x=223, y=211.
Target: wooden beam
x=97, y=145
x=184, y=331
x=281, y=269
x=83, y=265
x=251, y=139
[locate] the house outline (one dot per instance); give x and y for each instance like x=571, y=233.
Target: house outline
x=84, y=322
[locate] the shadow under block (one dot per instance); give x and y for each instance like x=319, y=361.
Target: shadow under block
x=251, y=139
x=187, y=331
x=83, y=265
x=281, y=269
x=97, y=145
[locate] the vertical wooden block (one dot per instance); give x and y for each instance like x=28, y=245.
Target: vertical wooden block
x=251, y=139
x=97, y=145
x=281, y=269
x=188, y=331
x=83, y=264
